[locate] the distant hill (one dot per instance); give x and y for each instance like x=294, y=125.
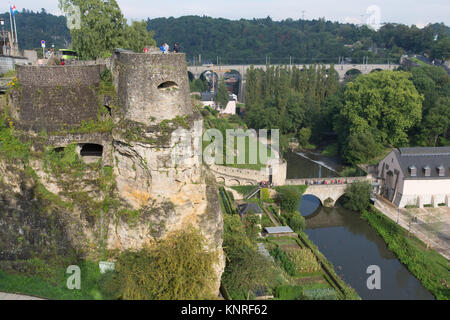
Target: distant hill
x=32, y=27
x=250, y=41
x=316, y=40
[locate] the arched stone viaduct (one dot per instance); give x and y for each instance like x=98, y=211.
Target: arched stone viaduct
x=341, y=69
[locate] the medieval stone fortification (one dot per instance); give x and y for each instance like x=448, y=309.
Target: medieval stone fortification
x=127, y=129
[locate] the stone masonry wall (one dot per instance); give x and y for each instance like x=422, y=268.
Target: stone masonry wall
x=55, y=97
x=153, y=87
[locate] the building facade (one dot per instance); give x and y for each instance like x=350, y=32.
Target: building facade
x=416, y=177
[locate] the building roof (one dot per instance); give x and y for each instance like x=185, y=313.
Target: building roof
x=249, y=208
x=274, y=230
x=421, y=158
x=425, y=151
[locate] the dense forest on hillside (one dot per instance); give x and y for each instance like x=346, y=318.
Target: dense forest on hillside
x=32, y=27
x=250, y=41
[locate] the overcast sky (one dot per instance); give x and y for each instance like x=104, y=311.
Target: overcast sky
x=402, y=11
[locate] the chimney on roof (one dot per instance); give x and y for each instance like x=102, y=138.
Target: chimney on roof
x=441, y=171
x=427, y=171
x=413, y=171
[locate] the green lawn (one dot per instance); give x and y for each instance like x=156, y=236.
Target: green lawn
x=427, y=265
x=54, y=285
x=244, y=190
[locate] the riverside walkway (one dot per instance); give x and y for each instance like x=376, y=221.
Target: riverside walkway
x=12, y=296
x=431, y=225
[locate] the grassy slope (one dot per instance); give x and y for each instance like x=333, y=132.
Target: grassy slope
x=54, y=285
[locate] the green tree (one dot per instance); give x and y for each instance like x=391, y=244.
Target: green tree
x=297, y=222
x=384, y=103
x=251, y=222
x=138, y=37
x=441, y=50
x=289, y=198
x=304, y=136
x=104, y=28
x=246, y=269
x=361, y=147
x=357, y=196
x=176, y=268
x=222, y=96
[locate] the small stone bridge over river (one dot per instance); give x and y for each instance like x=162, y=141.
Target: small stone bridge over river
x=329, y=190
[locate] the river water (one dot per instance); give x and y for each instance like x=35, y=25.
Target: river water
x=350, y=243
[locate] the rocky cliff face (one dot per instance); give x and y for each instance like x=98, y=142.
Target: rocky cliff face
x=57, y=201
x=81, y=209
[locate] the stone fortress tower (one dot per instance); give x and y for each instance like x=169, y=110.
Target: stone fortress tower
x=153, y=87
x=151, y=101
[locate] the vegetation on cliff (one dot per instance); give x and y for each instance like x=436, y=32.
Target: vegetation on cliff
x=176, y=268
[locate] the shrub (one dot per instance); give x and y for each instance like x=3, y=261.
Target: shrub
x=286, y=292
x=265, y=195
x=357, y=196
x=176, y=268
x=297, y=222
x=289, y=198
x=11, y=147
x=266, y=221
x=109, y=285
x=280, y=256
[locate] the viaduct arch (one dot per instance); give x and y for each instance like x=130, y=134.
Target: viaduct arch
x=341, y=69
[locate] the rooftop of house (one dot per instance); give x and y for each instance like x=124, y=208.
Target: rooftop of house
x=424, y=163
x=278, y=230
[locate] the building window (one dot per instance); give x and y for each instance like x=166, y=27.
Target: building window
x=427, y=171
x=441, y=171
x=168, y=85
x=413, y=171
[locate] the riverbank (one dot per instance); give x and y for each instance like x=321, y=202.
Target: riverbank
x=428, y=266
x=305, y=271
x=431, y=225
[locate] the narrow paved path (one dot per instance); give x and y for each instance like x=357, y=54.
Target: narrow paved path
x=11, y=296
x=432, y=226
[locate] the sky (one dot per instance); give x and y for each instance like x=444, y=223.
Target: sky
x=408, y=12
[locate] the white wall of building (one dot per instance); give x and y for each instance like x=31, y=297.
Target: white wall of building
x=425, y=192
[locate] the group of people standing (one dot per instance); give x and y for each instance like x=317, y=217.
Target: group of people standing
x=166, y=49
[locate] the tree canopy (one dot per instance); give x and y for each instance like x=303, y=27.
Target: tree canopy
x=381, y=106
x=310, y=41
x=104, y=28
x=176, y=268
